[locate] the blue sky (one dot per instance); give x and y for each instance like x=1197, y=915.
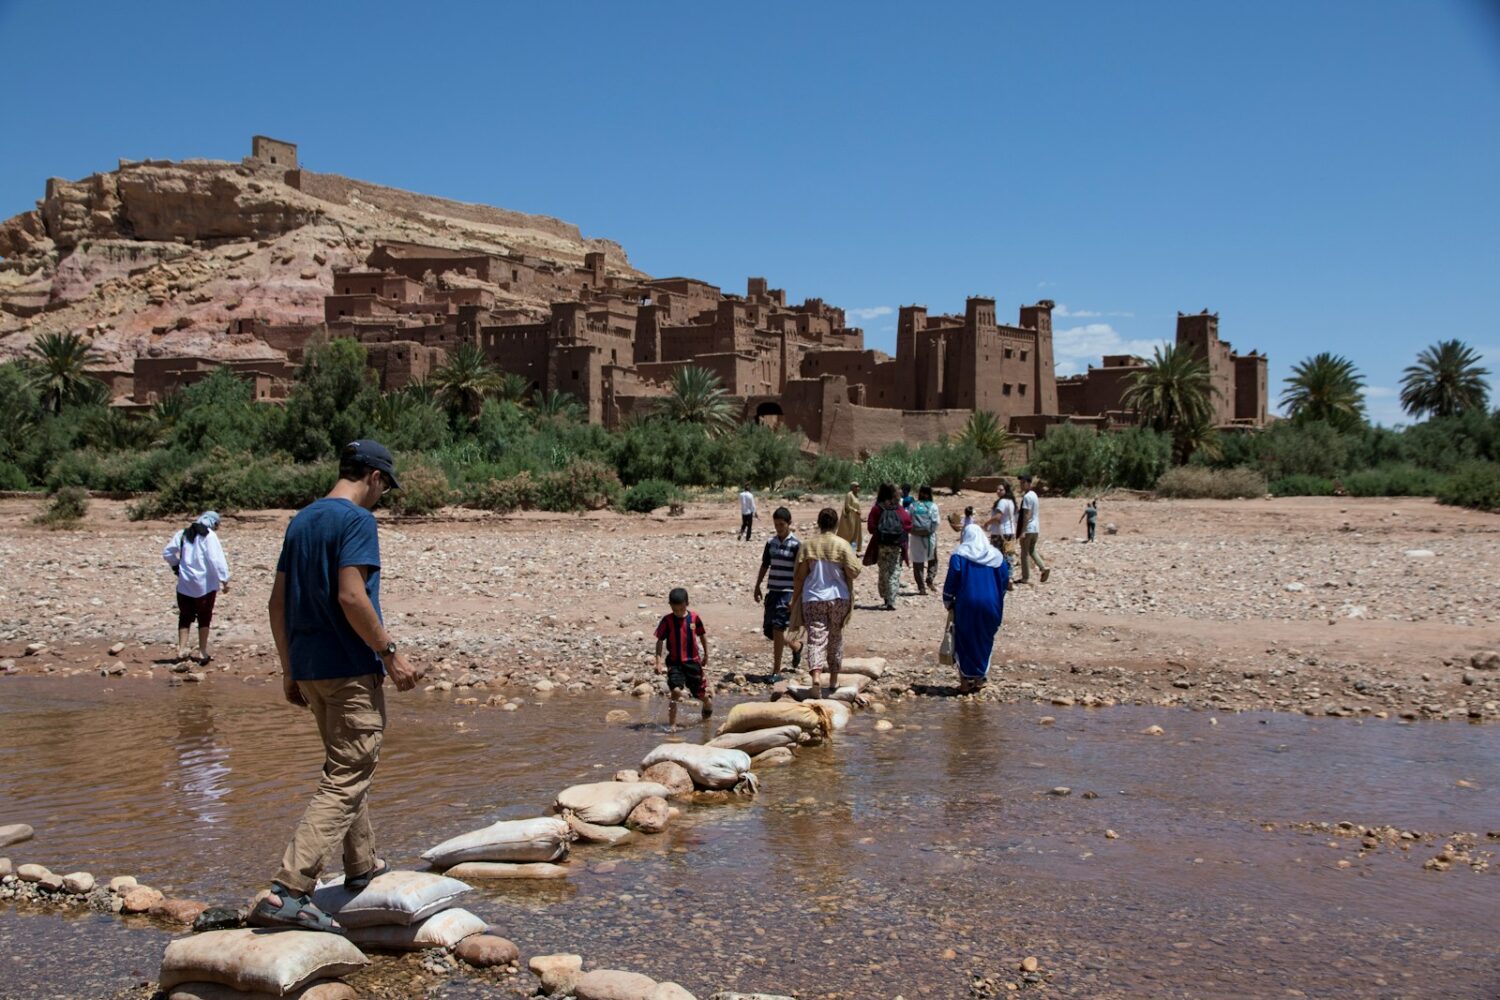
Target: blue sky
x=1322, y=174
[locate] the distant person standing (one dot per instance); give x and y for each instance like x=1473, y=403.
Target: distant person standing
x=197, y=559
x=890, y=530
x=1031, y=526
x=925, y=518
x=779, y=562
x=906, y=498
x=1090, y=514
x=747, y=514
x=335, y=655
x=852, y=519
x=822, y=597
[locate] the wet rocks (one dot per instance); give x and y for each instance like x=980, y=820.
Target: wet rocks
x=485, y=951
x=15, y=833
x=178, y=911
x=32, y=873
x=121, y=884
x=141, y=899
x=669, y=991
x=78, y=883
x=671, y=774
x=6, y=868
x=613, y=984
x=1153, y=731
x=218, y=918
x=616, y=715
x=650, y=816
x=558, y=973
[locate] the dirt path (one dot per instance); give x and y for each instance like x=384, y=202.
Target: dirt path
x=1317, y=605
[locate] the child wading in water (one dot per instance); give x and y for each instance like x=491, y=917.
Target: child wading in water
x=680, y=636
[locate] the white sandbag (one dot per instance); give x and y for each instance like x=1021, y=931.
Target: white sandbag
x=606, y=803
x=711, y=767
x=490, y=870
x=259, y=960
x=441, y=930
x=593, y=833
x=838, y=712
x=760, y=740
x=393, y=898
x=322, y=989
x=855, y=682
x=749, y=716
x=542, y=839
x=872, y=667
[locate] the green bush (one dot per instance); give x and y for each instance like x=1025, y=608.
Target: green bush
x=1194, y=482
x=830, y=472
x=1069, y=456
x=333, y=401
x=646, y=496
x=503, y=496
x=424, y=489
x=1476, y=484
x=582, y=485
x=1138, y=457
x=1394, y=481
x=224, y=481
x=11, y=477
x=116, y=472
x=1302, y=485
x=897, y=463
x=67, y=508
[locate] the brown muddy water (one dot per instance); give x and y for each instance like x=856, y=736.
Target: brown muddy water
x=908, y=862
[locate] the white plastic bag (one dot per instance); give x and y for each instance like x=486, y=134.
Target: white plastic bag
x=711, y=767
x=393, y=898
x=542, y=839
x=256, y=960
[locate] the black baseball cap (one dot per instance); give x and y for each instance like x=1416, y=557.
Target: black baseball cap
x=372, y=455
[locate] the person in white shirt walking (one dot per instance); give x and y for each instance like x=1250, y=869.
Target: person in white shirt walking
x=195, y=555
x=747, y=513
x=1002, y=520
x=1031, y=527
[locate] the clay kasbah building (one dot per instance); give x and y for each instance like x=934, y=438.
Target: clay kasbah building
x=613, y=337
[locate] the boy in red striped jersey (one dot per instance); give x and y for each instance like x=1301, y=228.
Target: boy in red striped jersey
x=682, y=654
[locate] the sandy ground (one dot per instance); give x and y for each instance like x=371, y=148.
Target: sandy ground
x=1315, y=605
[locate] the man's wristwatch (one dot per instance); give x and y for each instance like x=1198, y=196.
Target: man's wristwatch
x=389, y=650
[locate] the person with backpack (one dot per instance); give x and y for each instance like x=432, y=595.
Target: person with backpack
x=890, y=530
x=925, y=518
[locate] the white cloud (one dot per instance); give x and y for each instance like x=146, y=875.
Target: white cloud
x=1075, y=348
x=870, y=312
x=1062, y=310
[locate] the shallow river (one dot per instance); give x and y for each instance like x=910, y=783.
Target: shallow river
x=906, y=862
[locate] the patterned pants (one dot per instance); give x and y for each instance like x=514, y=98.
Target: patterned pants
x=890, y=572
x=825, y=633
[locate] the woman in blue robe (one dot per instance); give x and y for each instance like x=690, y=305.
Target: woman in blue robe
x=978, y=577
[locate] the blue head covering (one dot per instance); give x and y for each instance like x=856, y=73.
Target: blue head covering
x=209, y=519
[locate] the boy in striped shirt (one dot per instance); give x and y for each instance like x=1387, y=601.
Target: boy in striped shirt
x=779, y=561
x=680, y=637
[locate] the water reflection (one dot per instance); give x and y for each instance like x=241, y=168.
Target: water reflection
x=858, y=867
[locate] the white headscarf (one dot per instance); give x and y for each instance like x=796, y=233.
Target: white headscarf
x=976, y=548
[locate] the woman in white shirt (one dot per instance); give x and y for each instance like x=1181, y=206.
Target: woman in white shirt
x=195, y=555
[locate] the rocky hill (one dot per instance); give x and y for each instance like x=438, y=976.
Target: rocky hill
x=158, y=258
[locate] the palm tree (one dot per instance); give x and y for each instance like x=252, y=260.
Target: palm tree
x=58, y=368
x=1445, y=380
x=698, y=397
x=513, y=388
x=112, y=429
x=985, y=435
x=559, y=406
x=1174, y=394
x=466, y=380
x=1326, y=387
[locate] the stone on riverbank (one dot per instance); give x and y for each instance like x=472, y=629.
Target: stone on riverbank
x=615, y=715
x=558, y=973
x=672, y=775
x=121, y=884
x=218, y=918
x=78, y=883
x=141, y=899
x=178, y=911
x=614, y=984
x=6, y=868
x=485, y=951
x=651, y=816
x=15, y=833
x=1488, y=659
x=32, y=873
x=669, y=991
x=256, y=960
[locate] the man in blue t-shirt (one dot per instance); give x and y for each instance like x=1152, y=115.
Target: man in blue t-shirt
x=335, y=655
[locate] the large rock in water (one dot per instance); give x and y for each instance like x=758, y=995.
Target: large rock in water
x=672, y=775
x=15, y=833
x=485, y=951
x=326, y=989
x=612, y=984
x=558, y=973
x=669, y=991
x=651, y=816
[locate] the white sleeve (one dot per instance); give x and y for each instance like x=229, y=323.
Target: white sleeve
x=216, y=553
x=173, y=552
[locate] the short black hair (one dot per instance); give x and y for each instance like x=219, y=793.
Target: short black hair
x=353, y=469
x=828, y=519
x=925, y=493
x=781, y=514
x=886, y=492
x=906, y=487
x=679, y=595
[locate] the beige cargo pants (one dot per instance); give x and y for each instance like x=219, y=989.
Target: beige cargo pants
x=350, y=712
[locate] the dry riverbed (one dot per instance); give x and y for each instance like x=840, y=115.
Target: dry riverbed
x=1312, y=605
